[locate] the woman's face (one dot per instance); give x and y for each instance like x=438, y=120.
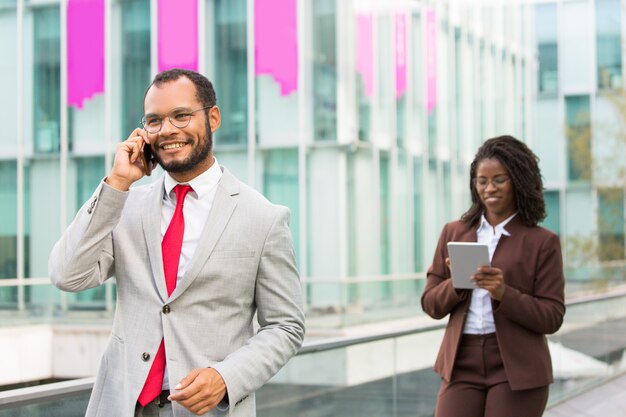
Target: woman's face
x=495, y=189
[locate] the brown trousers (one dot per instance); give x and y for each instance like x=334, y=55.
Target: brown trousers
x=479, y=387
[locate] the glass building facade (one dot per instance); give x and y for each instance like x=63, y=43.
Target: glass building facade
x=579, y=136
x=370, y=150
x=368, y=143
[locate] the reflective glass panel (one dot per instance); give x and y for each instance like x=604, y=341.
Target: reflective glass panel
x=324, y=61
x=553, y=211
x=280, y=186
x=46, y=79
x=135, y=62
x=8, y=230
x=230, y=63
x=608, y=43
x=578, y=131
x=546, y=36
x=611, y=224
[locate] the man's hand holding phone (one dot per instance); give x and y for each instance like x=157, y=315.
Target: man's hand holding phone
x=147, y=159
x=128, y=164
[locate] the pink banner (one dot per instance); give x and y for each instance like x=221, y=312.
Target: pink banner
x=431, y=61
x=400, y=54
x=178, y=34
x=276, y=42
x=85, y=50
x=364, y=53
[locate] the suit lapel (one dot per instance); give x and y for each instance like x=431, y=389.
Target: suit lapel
x=221, y=212
x=505, y=246
x=151, y=222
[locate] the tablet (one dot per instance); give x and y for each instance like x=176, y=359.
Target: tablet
x=465, y=258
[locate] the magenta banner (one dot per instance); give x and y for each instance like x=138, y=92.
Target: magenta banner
x=276, y=42
x=400, y=24
x=431, y=61
x=85, y=50
x=364, y=53
x=177, y=34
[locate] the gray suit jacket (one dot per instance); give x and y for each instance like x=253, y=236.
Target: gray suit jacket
x=244, y=265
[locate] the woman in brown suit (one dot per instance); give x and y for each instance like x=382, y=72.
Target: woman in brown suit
x=494, y=359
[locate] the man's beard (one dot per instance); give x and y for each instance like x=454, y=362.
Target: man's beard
x=199, y=154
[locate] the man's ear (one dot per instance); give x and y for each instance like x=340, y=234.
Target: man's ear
x=215, y=118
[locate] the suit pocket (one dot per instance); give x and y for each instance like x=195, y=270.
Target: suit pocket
x=230, y=254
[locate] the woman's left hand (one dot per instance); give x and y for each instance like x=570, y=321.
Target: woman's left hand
x=490, y=279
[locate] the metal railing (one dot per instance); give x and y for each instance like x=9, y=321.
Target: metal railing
x=60, y=390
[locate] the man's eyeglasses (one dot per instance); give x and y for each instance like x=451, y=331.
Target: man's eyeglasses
x=483, y=182
x=180, y=118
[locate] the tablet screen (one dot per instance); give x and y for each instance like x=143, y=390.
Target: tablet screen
x=465, y=258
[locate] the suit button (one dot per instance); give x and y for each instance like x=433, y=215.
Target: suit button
x=145, y=356
x=166, y=309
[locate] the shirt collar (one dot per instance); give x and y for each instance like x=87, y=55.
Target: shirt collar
x=499, y=228
x=201, y=185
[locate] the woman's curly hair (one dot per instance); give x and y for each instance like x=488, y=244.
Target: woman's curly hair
x=522, y=165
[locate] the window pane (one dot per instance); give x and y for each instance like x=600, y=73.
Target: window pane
x=43, y=213
x=482, y=91
x=553, y=210
x=608, y=43
x=385, y=225
x=578, y=128
x=458, y=89
x=401, y=54
x=385, y=91
x=8, y=225
x=8, y=149
x=230, y=61
x=89, y=173
x=385, y=213
x=402, y=217
x=42, y=300
x=446, y=213
x=611, y=224
x=324, y=70
x=47, y=79
x=135, y=61
x=418, y=214
x=280, y=186
x=523, y=100
x=418, y=82
x=364, y=68
x=546, y=35
x=8, y=82
x=362, y=214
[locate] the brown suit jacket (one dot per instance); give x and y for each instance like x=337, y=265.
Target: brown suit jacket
x=532, y=305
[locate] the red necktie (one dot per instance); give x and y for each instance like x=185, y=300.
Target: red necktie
x=171, y=246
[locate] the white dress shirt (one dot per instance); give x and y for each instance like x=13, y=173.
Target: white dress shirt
x=196, y=210
x=480, y=315
x=198, y=203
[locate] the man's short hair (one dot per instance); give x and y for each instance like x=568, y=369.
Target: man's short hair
x=204, y=89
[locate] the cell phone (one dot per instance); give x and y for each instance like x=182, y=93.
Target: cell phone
x=147, y=158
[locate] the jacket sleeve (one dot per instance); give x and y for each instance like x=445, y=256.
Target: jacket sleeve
x=83, y=257
x=543, y=311
x=440, y=297
x=279, y=313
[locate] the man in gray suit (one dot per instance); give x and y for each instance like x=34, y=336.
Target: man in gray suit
x=190, y=278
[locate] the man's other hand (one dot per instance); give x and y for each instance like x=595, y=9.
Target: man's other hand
x=200, y=391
